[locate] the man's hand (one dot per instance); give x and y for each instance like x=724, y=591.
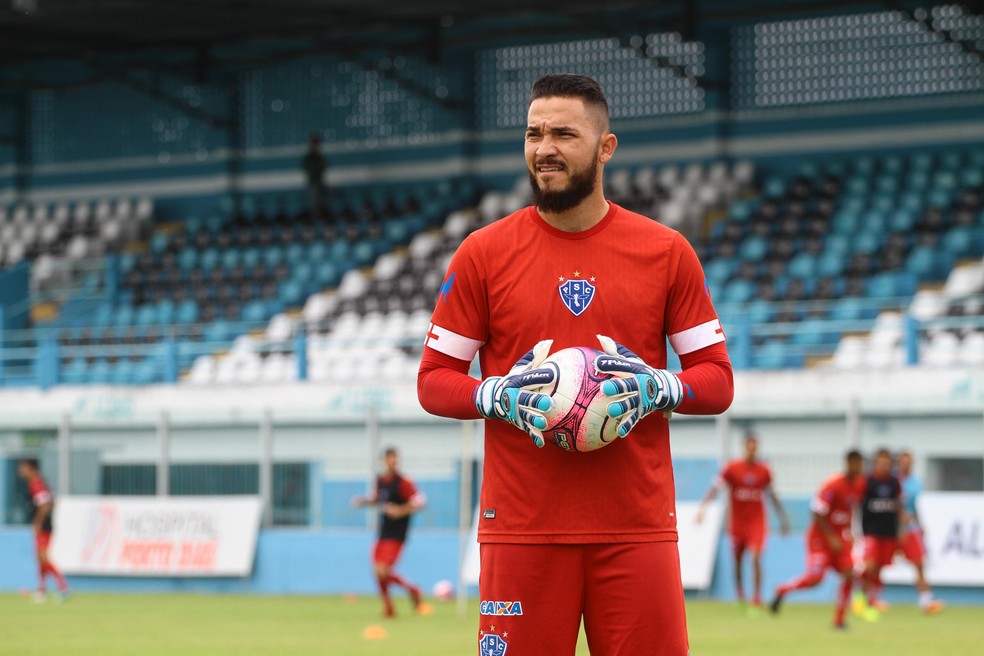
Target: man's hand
x=638, y=389
x=515, y=397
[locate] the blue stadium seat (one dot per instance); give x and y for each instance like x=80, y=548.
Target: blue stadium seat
x=219, y=331
x=186, y=312
x=146, y=315
x=254, y=312
x=74, y=372
x=273, y=256
x=831, y=264
x=927, y=263
x=231, y=258
x=316, y=252
x=739, y=291
x=753, y=249
x=720, y=269
x=889, y=284
x=846, y=222
x=166, y=312
x=803, y=265
x=902, y=220
x=123, y=315
x=291, y=293
x=209, y=259
x=328, y=274
x=99, y=372
x=188, y=258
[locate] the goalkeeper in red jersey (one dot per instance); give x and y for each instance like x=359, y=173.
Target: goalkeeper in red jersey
x=749, y=481
x=567, y=537
x=829, y=540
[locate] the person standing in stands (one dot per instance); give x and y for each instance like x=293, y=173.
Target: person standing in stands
x=398, y=499
x=315, y=168
x=42, y=504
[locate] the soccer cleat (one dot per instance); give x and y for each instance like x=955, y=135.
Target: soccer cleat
x=860, y=607
x=880, y=605
x=61, y=596
x=932, y=607
x=776, y=603
x=840, y=625
x=38, y=597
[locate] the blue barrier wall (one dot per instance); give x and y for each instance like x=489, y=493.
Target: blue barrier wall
x=318, y=562
x=288, y=561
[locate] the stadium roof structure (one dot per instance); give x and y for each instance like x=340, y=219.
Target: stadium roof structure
x=64, y=43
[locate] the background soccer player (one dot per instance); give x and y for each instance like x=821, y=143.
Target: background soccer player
x=881, y=508
x=42, y=504
x=398, y=499
x=913, y=539
x=748, y=480
x=829, y=540
x=570, y=535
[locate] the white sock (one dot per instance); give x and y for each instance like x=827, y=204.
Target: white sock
x=925, y=598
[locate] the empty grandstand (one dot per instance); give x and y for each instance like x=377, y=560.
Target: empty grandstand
x=177, y=320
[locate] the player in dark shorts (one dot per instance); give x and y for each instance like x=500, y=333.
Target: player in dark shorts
x=42, y=504
x=398, y=499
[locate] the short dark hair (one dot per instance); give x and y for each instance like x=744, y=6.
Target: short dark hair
x=883, y=452
x=572, y=85
x=31, y=462
x=854, y=454
x=390, y=451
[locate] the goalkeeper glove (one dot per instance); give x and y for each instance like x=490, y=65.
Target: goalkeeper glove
x=515, y=397
x=638, y=389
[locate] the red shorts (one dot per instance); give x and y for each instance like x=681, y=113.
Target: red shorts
x=750, y=536
x=819, y=556
x=534, y=597
x=913, y=547
x=41, y=540
x=879, y=550
x=387, y=552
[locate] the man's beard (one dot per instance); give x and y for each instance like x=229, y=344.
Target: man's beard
x=582, y=184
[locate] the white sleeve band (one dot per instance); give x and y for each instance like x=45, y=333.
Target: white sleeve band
x=450, y=343
x=698, y=337
x=42, y=497
x=819, y=506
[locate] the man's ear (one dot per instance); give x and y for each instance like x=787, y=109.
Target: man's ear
x=608, y=145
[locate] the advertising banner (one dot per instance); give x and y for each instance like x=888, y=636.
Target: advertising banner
x=156, y=536
x=698, y=545
x=953, y=531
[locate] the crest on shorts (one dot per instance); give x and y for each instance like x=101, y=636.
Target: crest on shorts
x=576, y=294
x=492, y=645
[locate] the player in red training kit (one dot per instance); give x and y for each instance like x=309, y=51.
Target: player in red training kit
x=566, y=536
x=829, y=541
x=748, y=480
x=399, y=500
x=42, y=506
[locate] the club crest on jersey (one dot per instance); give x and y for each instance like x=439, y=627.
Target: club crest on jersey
x=501, y=608
x=576, y=295
x=492, y=645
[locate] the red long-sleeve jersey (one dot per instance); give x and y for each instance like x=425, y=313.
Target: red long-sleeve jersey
x=520, y=280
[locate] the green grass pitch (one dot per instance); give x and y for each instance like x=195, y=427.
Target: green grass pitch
x=212, y=625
